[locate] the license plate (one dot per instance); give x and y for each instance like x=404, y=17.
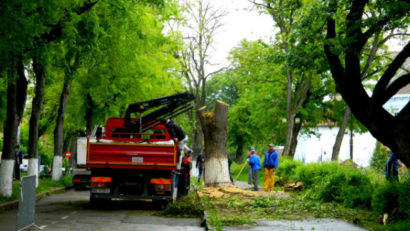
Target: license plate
x=137, y=159
x=101, y=190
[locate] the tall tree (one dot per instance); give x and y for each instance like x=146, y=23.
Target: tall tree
x=79, y=39
x=39, y=67
x=346, y=38
x=297, y=41
x=204, y=20
x=372, y=66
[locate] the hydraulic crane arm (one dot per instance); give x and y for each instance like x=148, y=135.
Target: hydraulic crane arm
x=170, y=106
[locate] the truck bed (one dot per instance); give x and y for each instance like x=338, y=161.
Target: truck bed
x=127, y=155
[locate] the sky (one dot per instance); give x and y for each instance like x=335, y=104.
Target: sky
x=242, y=21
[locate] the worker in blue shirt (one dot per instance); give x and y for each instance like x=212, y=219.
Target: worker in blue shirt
x=255, y=164
x=391, y=168
x=270, y=163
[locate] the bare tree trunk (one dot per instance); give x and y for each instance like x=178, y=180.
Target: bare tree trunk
x=73, y=150
x=289, y=134
x=89, y=115
x=16, y=99
x=35, y=118
x=239, y=150
x=340, y=134
x=9, y=141
x=59, y=132
x=197, y=138
x=214, y=125
x=294, y=143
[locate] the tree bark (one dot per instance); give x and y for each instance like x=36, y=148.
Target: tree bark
x=89, y=115
x=214, y=126
x=340, y=134
x=239, y=150
x=59, y=132
x=36, y=107
x=9, y=141
x=16, y=100
x=289, y=134
x=294, y=143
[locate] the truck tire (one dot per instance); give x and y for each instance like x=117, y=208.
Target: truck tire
x=161, y=204
x=95, y=201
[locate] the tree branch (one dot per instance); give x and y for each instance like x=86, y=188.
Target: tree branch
x=85, y=7
x=217, y=71
x=334, y=61
x=393, y=88
x=381, y=85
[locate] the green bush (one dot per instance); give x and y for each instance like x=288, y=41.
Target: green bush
x=391, y=195
x=379, y=157
x=287, y=169
x=315, y=172
x=187, y=206
x=356, y=191
x=329, y=187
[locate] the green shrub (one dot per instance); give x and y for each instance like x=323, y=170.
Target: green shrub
x=391, y=195
x=287, y=169
x=187, y=206
x=315, y=172
x=379, y=157
x=329, y=188
x=343, y=184
x=356, y=191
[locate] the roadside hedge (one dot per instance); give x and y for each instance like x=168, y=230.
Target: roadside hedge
x=355, y=188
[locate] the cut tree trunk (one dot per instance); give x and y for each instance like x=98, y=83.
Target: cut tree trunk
x=214, y=127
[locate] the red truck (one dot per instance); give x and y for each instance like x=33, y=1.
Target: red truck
x=136, y=158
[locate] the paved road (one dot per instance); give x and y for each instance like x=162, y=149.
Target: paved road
x=71, y=211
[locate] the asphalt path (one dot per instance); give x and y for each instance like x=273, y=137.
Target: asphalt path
x=72, y=211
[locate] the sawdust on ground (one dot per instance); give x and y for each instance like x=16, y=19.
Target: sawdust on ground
x=231, y=191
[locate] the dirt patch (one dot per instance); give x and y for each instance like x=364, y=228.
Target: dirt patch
x=228, y=192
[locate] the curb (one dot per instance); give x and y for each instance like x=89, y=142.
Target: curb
x=14, y=204
x=205, y=218
x=205, y=222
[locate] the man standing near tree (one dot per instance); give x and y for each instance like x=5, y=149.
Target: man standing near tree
x=200, y=160
x=176, y=133
x=249, y=166
x=391, y=168
x=270, y=163
x=19, y=160
x=255, y=164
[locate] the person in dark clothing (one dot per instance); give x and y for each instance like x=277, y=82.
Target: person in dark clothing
x=392, y=168
x=19, y=160
x=184, y=178
x=176, y=133
x=200, y=163
x=229, y=167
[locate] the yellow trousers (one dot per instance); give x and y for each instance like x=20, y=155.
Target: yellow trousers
x=269, y=183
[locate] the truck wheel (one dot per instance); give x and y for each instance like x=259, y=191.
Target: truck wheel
x=94, y=201
x=77, y=187
x=161, y=204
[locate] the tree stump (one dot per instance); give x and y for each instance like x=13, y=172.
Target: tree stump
x=214, y=126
